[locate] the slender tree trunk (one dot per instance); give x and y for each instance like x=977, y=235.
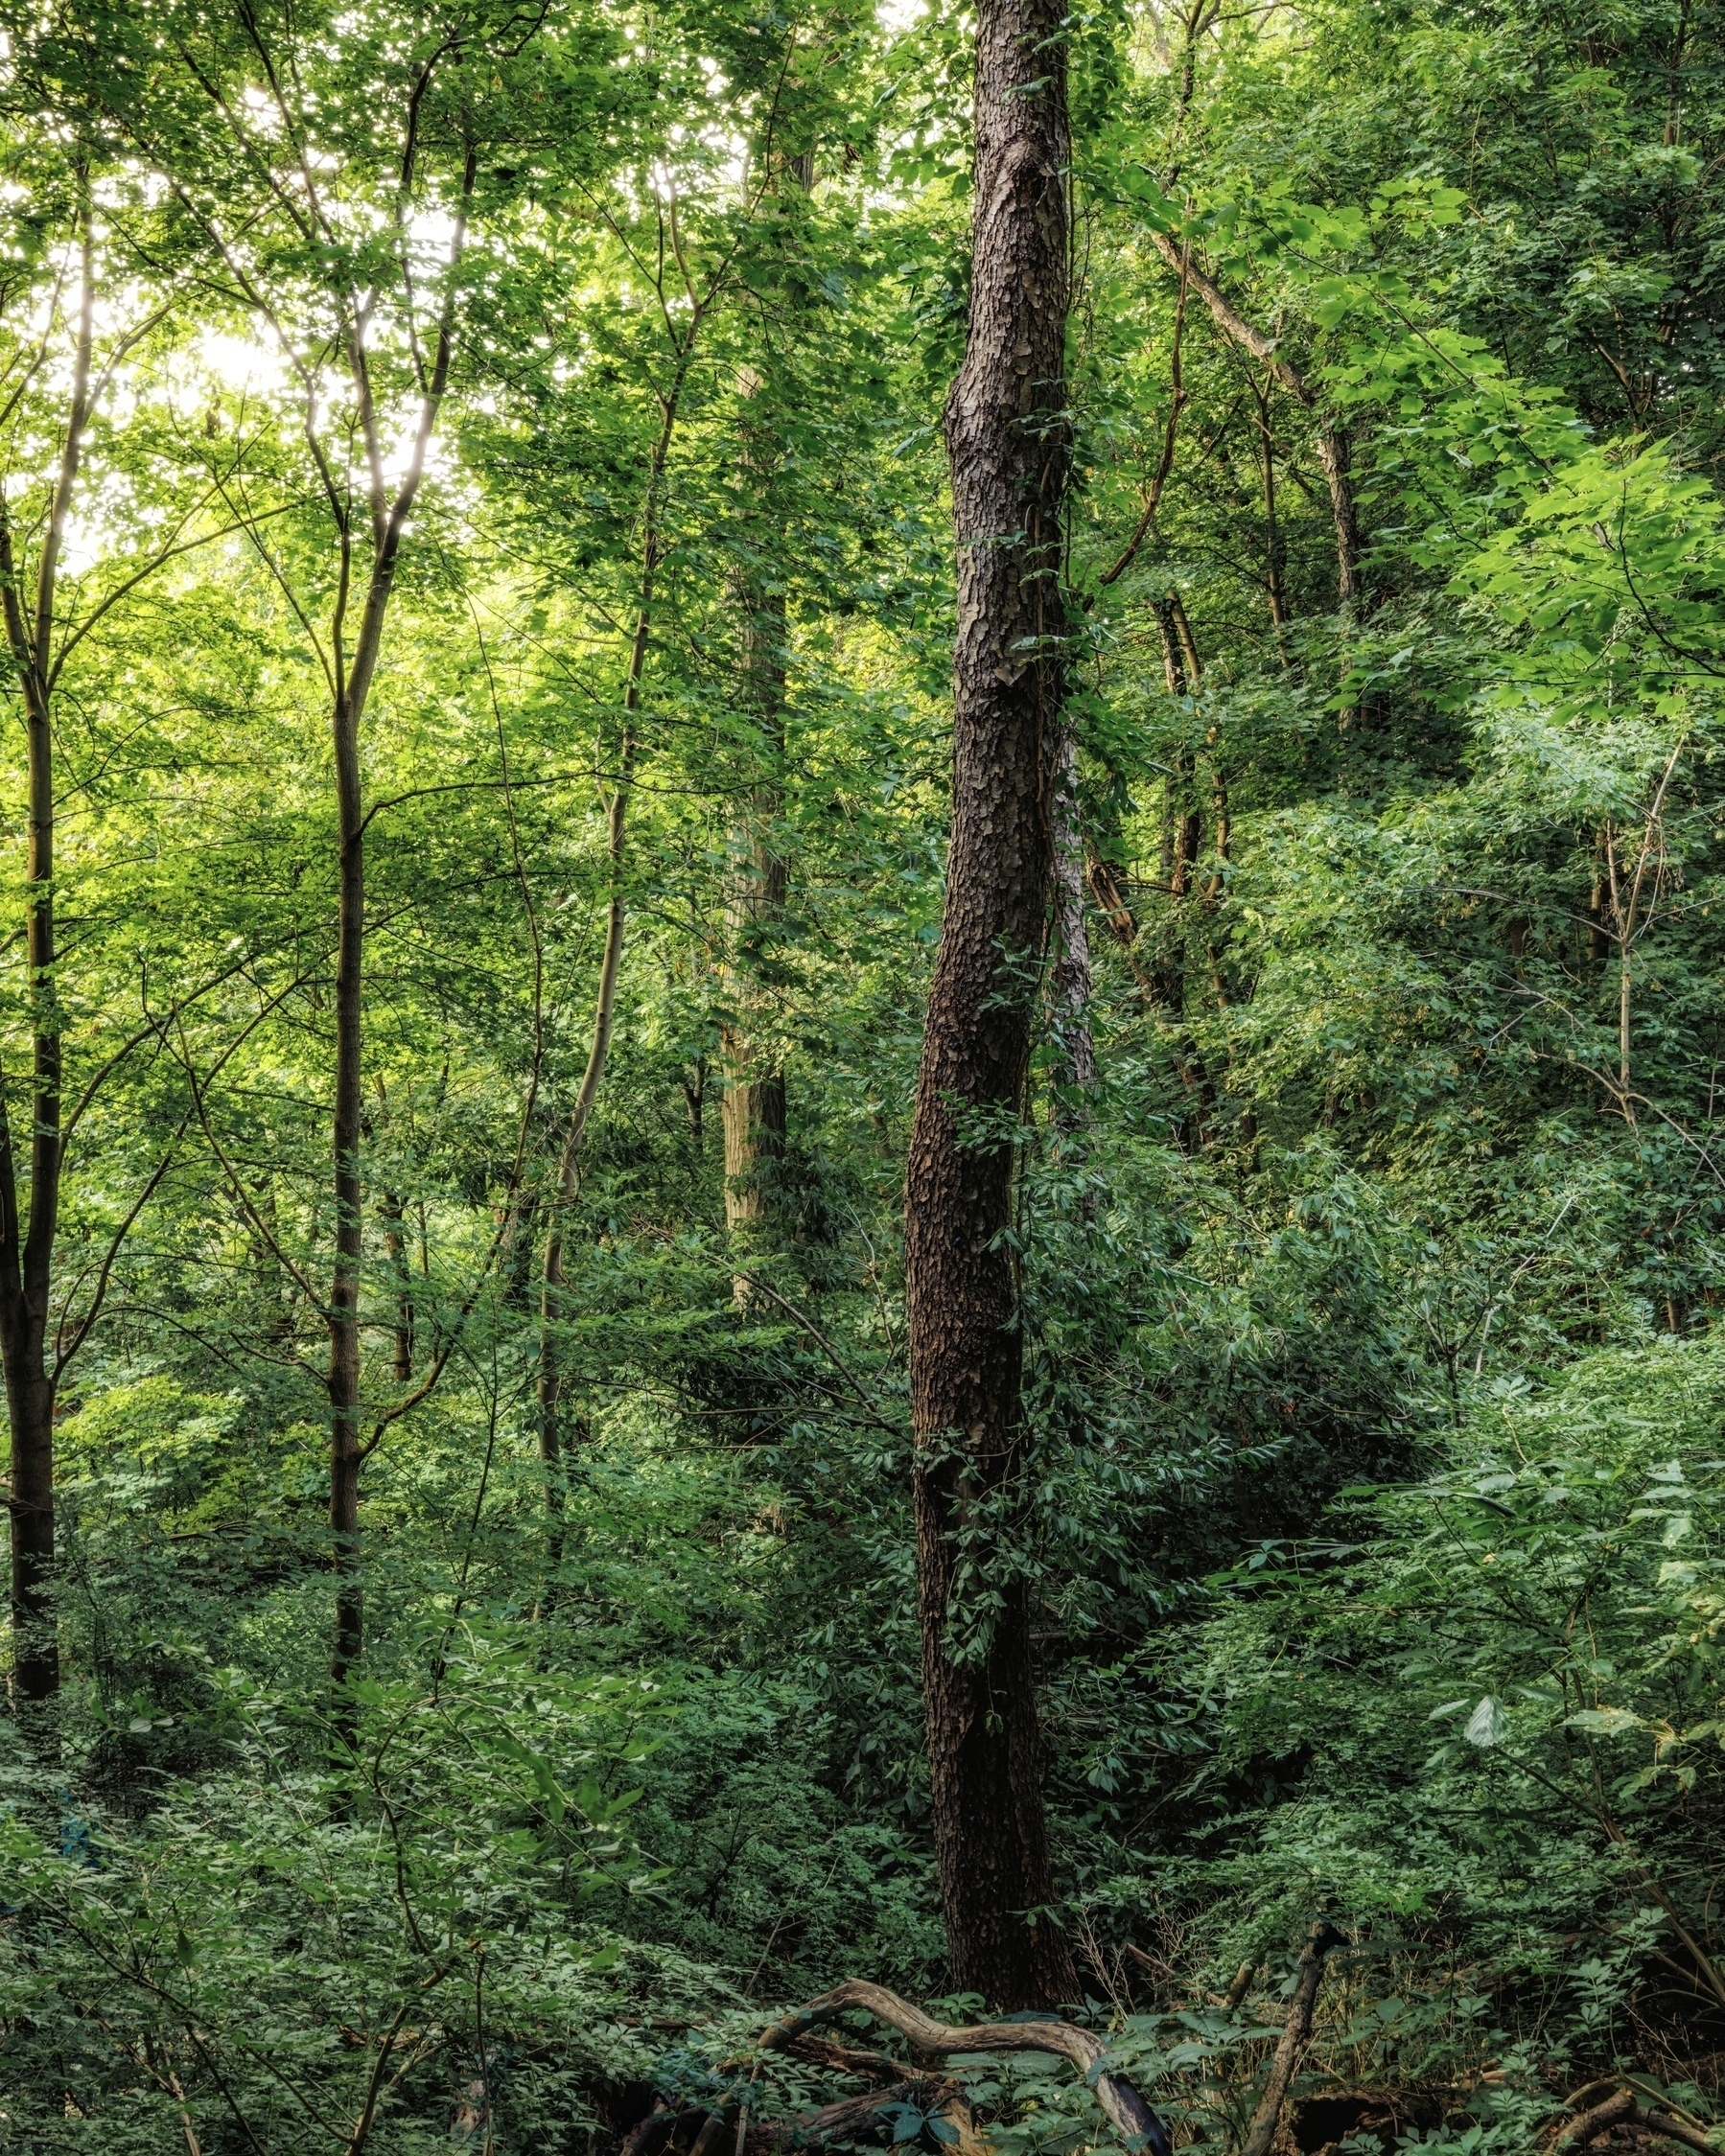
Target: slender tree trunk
x=548, y=1388
x=1071, y=981
x=395, y=1250
x=388, y=524
x=343, y=1319
x=695, y=1101
x=1334, y=449
x=753, y=1104
x=29, y=1381
x=27, y=1255
x=1009, y=457
x=1273, y=533
x=550, y=1383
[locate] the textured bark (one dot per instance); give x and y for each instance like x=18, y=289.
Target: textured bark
x=1297, y=2032
x=1007, y=444
x=1070, y=978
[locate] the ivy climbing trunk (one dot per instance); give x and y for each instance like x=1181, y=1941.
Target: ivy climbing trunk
x=1007, y=442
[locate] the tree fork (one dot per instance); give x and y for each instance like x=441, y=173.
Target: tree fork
x=1009, y=452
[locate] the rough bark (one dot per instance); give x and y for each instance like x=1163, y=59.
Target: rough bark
x=1009, y=452
x=1071, y=980
x=1619, y=2105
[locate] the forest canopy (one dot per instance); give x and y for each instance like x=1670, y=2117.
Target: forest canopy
x=860, y=1042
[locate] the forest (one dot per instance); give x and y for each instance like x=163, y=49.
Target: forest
x=861, y=1074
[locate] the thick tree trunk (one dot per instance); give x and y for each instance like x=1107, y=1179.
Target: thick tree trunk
x=1009, y=454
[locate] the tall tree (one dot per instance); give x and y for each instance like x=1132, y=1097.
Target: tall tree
x=1008, y=445
x=81, y=316
x=753, y=1108
x=304, y=197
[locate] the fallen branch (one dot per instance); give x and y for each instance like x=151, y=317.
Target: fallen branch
x=1125, y=2109
x=1618, y=2107
x=1587, y=2125
x=1660, y=2122
x=1296, y=2031
x=702, y=2130
x=844, y=2121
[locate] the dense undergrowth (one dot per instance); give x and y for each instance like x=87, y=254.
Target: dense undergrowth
x=1373, y=1507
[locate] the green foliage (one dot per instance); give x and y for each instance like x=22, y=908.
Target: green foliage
x=1370, y=1507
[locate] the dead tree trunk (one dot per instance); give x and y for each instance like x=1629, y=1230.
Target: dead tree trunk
x=1009, y=452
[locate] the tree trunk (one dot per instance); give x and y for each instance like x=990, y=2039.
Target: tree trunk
x=27, y=1256
x=1334, y=449
x=549, y=1384
x=1071, y=979
x=753, y=1107
x=389, y=525
x=30, y=1411
x=395, y=1250
x=344, y=1317
x=1009, y=454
